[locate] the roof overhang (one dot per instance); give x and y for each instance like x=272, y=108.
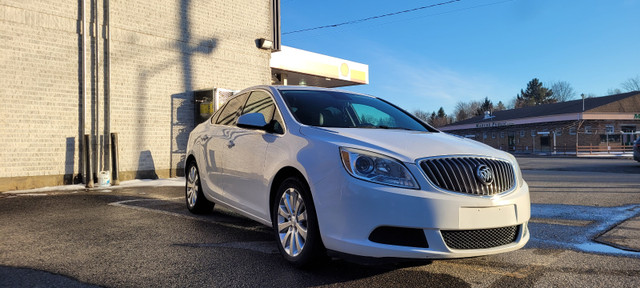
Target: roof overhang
x=545, y=119
x=291, y=66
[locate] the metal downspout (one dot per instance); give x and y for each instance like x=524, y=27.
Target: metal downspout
x=88, y=180
x=107, y=90
x=97, y=143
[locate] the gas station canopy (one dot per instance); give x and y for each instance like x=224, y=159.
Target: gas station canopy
x=291, y=66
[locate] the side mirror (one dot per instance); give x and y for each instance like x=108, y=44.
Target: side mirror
x=252, y=121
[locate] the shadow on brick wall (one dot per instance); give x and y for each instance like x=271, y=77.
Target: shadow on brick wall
x=182, y=123
x=182, y=104
x=69, y=162
x=146, y=166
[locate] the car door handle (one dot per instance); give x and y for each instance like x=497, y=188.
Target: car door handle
x=231, y=144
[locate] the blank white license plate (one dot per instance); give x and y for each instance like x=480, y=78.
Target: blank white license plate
x=479, y=217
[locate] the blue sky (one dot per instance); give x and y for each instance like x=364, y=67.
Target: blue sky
x=473, y=49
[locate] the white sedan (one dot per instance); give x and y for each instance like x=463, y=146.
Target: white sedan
x=351, y=174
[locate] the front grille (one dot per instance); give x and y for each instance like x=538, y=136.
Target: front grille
x=481, y=238
x=458, y=174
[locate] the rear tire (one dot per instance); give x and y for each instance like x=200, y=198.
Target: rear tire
x=196, y=202
x=295, y=224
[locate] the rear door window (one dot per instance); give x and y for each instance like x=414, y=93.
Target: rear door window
x=230, y=111
x=260, y=102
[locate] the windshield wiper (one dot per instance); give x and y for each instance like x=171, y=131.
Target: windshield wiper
x=389, y=127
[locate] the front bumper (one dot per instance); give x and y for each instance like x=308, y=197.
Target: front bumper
x=350, y=210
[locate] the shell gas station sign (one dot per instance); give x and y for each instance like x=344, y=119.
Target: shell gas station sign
x=299, y=67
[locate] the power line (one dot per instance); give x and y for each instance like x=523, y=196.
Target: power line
x=372, y=18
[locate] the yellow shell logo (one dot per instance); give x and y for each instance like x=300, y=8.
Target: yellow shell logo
x=344, y=70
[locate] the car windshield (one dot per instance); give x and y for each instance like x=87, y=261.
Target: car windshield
x=346, y=110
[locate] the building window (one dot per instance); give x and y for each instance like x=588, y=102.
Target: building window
x=493, y=135
x=628, y=128
x=609, y=129
x=587, y=129
x=484, y=135
x=533, y=132
x=572, y=131
x=558, y=131
x=501, y=134
x=610, y=138
x=521, y=133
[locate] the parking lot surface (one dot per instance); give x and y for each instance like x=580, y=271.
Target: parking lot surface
x=584, y=228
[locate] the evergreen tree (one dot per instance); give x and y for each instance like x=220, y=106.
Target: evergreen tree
x=535, y=94
x=440, y=118
x=486, y=105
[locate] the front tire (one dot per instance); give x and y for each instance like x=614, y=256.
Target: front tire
x=196, y=202
x=295, y=224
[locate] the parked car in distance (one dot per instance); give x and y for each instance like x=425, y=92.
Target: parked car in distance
x=350, y=174
x=636, y=150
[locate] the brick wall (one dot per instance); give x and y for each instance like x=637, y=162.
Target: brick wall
x=160, y=51
x=39, y=88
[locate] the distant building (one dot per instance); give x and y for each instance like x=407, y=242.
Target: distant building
x=601, y=121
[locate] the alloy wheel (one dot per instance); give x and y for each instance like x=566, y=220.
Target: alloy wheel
x=192, y=186
x=292, y=222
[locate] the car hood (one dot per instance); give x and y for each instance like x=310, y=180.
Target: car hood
x=404, y=145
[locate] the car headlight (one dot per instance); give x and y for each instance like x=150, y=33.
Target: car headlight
x=377, y=168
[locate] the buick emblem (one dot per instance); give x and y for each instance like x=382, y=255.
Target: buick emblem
x=484, y=174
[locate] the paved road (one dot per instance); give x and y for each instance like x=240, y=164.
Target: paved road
x=581, y=164
x=136, y=237
x=582, y=181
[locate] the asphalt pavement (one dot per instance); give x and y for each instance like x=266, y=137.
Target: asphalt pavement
x=585, y=230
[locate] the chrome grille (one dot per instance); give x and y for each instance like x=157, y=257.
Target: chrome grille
x=458, y=174
x=481, y=238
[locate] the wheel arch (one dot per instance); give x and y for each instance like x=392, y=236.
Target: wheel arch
x=189, y=159
x=283, y=174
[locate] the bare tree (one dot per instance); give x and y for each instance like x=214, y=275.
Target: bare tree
x=632, y=84
x=466, y=110
x=460, y=111
x=512, y=103
x=424, y=116
x=614, y=91
x=562, y=91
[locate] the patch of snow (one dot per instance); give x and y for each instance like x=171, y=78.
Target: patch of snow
x=579, y=238
x=169, y=182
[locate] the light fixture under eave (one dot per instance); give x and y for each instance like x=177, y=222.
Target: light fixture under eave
x=264, y=44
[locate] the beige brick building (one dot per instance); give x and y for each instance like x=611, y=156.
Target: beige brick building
x=141, y=64
x=598, y=122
